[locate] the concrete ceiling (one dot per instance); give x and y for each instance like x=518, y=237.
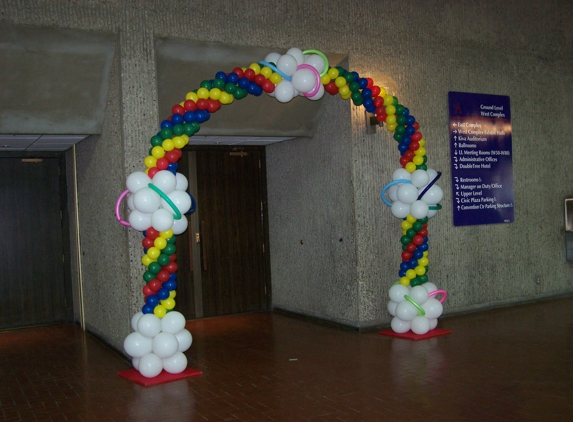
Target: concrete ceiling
x=36, y=143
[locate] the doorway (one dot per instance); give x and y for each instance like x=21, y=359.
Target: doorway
x=35, y=285
x=223, y=258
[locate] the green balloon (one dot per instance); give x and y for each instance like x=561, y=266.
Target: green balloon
x=401, y=130
x=218, y=83
x=166, y=133
x=154, y=268
x=423, y=220
x=206, y=84
x=178, y=130
x=349, y=77
x=415, y=282
x=172, y=240
x=156, y=141
x=163, y=259
x=422, y=167
x=169, y=249
x=354, y=87
x=398, y=136
x=401, y=120
x=230, y=88
x=423, y=278
x=341, y=71
x=405, y=240
x=148, y=276
x=417, y=226
x=400, y=110
x=395, y=102
x=196, y=127
x=411, y=233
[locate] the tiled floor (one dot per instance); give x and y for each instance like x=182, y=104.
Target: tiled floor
x=513, y=364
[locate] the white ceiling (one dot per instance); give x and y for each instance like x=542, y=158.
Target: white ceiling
x=236, y=140
x=38, y=142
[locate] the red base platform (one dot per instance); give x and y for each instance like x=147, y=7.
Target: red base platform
x=410, y=335
x=134, y=375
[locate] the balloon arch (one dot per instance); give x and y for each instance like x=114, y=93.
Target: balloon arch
x=157, y=197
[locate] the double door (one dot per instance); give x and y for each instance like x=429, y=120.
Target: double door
x=223, y=257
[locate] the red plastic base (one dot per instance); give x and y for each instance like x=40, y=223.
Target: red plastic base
x=134, y=375
x=410, y=335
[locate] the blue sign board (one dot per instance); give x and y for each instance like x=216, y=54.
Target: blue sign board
x=482, y=167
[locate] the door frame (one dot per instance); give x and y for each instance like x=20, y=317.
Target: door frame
x=188, y=237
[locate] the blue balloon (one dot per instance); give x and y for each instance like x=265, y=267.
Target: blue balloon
x=244, y=83
x=367, y=93
x=418, y=254
x=410, y=120
x=177, y=119
x=147, y=309
x=221, y=75
x=410, y=130
x=163, y=294
x=232, y=78
x=152, y=300
x=189, y=117
x=402, y=273
x=404, y=266
x=166, y=123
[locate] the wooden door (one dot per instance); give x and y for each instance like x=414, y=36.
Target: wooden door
x=32, y=289
x=227, y=234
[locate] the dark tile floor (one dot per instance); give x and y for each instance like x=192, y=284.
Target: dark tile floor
x=513, y=364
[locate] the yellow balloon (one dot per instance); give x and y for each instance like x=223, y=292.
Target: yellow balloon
x=391, y=119
x=420, y=270
x=168, y=145
x=276, y=78
x=410, y=167
x=172, y=294
x=153, y=252
x=425, y=253
x=266, y=72
x=388, y=100
x=160, y=311
x=346, y=96
x=345, y=90
x=390, y=110
x=191, y=96
x=256, y=67
x=411, y=219
x=215, y=93
x=186, y=137
x=405, y=281
x=333, y=73
x=145, y=260
x=382, y=92
x=423, y=262
x=160, y=243
x=422, y=142
x=203, y=93
x=167, y=234
x=168, y=303
x=225, y=98
x=158, y=152
x=406, y=225
x=391, y=127
x=325, y=79
x=404, y=232
x=150, y=161
x=179, y=142
x=418, y=160
x=411, y=274
x=420, y=151
x=340, y=82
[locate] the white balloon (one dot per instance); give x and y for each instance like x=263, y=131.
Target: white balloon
x=433, y=323
x=179, y=226
x=182, y=182
x=135, y=363
x=165, y=181
x=432, y=213
x=399, y=326
x=419, y=294
x=406, y=311
x=433, y=308
x=146, y=200
x=304, y=80
x=397, y=292
x=433, y=196
x=180, y=199
x=400, y=210
x=284, y=91
x=297, y=54
x=149, y=325
x=420, y=178
x=401, y=174
x=432, y=174
x=161, y=220
x=134, y=320
x=272, y=58
x=173, y=322
x=420, y=325
x=392, y=307
x=185, y=340
x=430, y=287
x=407, y=193
x=315, y=61
x=175, y=364
x=165, y=345
x=287, y=64
x=137, y=180
x=139, y=220
x=419, y=209
x=150, y=365
x=130, y=202
x=319, y=94
x=392, y=192
x=137, y=345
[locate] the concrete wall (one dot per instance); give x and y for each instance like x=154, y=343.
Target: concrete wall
x=520, y=49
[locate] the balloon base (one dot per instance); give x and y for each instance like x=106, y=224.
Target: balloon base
x=410, y=335
x=135, y=376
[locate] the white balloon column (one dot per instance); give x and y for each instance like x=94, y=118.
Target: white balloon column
x=157, y=197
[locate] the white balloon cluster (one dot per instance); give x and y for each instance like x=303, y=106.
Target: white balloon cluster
x=405, y=195
x=150, y=209
x=302, y=75
x=158, y=343
x=413, y=308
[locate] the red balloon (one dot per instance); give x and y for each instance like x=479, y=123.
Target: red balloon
x=177, y=152
x=404, y=160
x=416, y=136
x=147, y=242
x=380, y=110
x=249, y=74
x=370, y=83
x=268, y=86
x=416, y=125
x=189, y=105
x=162, y=163
x=406, y=256
x=381, y=117
x=173, y=257
x=238, y=71
x=177, y=109
x=409, y=155
x=375, y=91
x=152, y=172
x=163, y=275
x=260, y=79
x=417, y=240
x=378, y=101
x=410, y=247
x=331, y=88
x=154, y=285
x=147, y=290
x=414, y=146
x=152, y=233
x=202, y=104
x=423, y=232
x=213, y=105
x=171, y=267
x=171, y=156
